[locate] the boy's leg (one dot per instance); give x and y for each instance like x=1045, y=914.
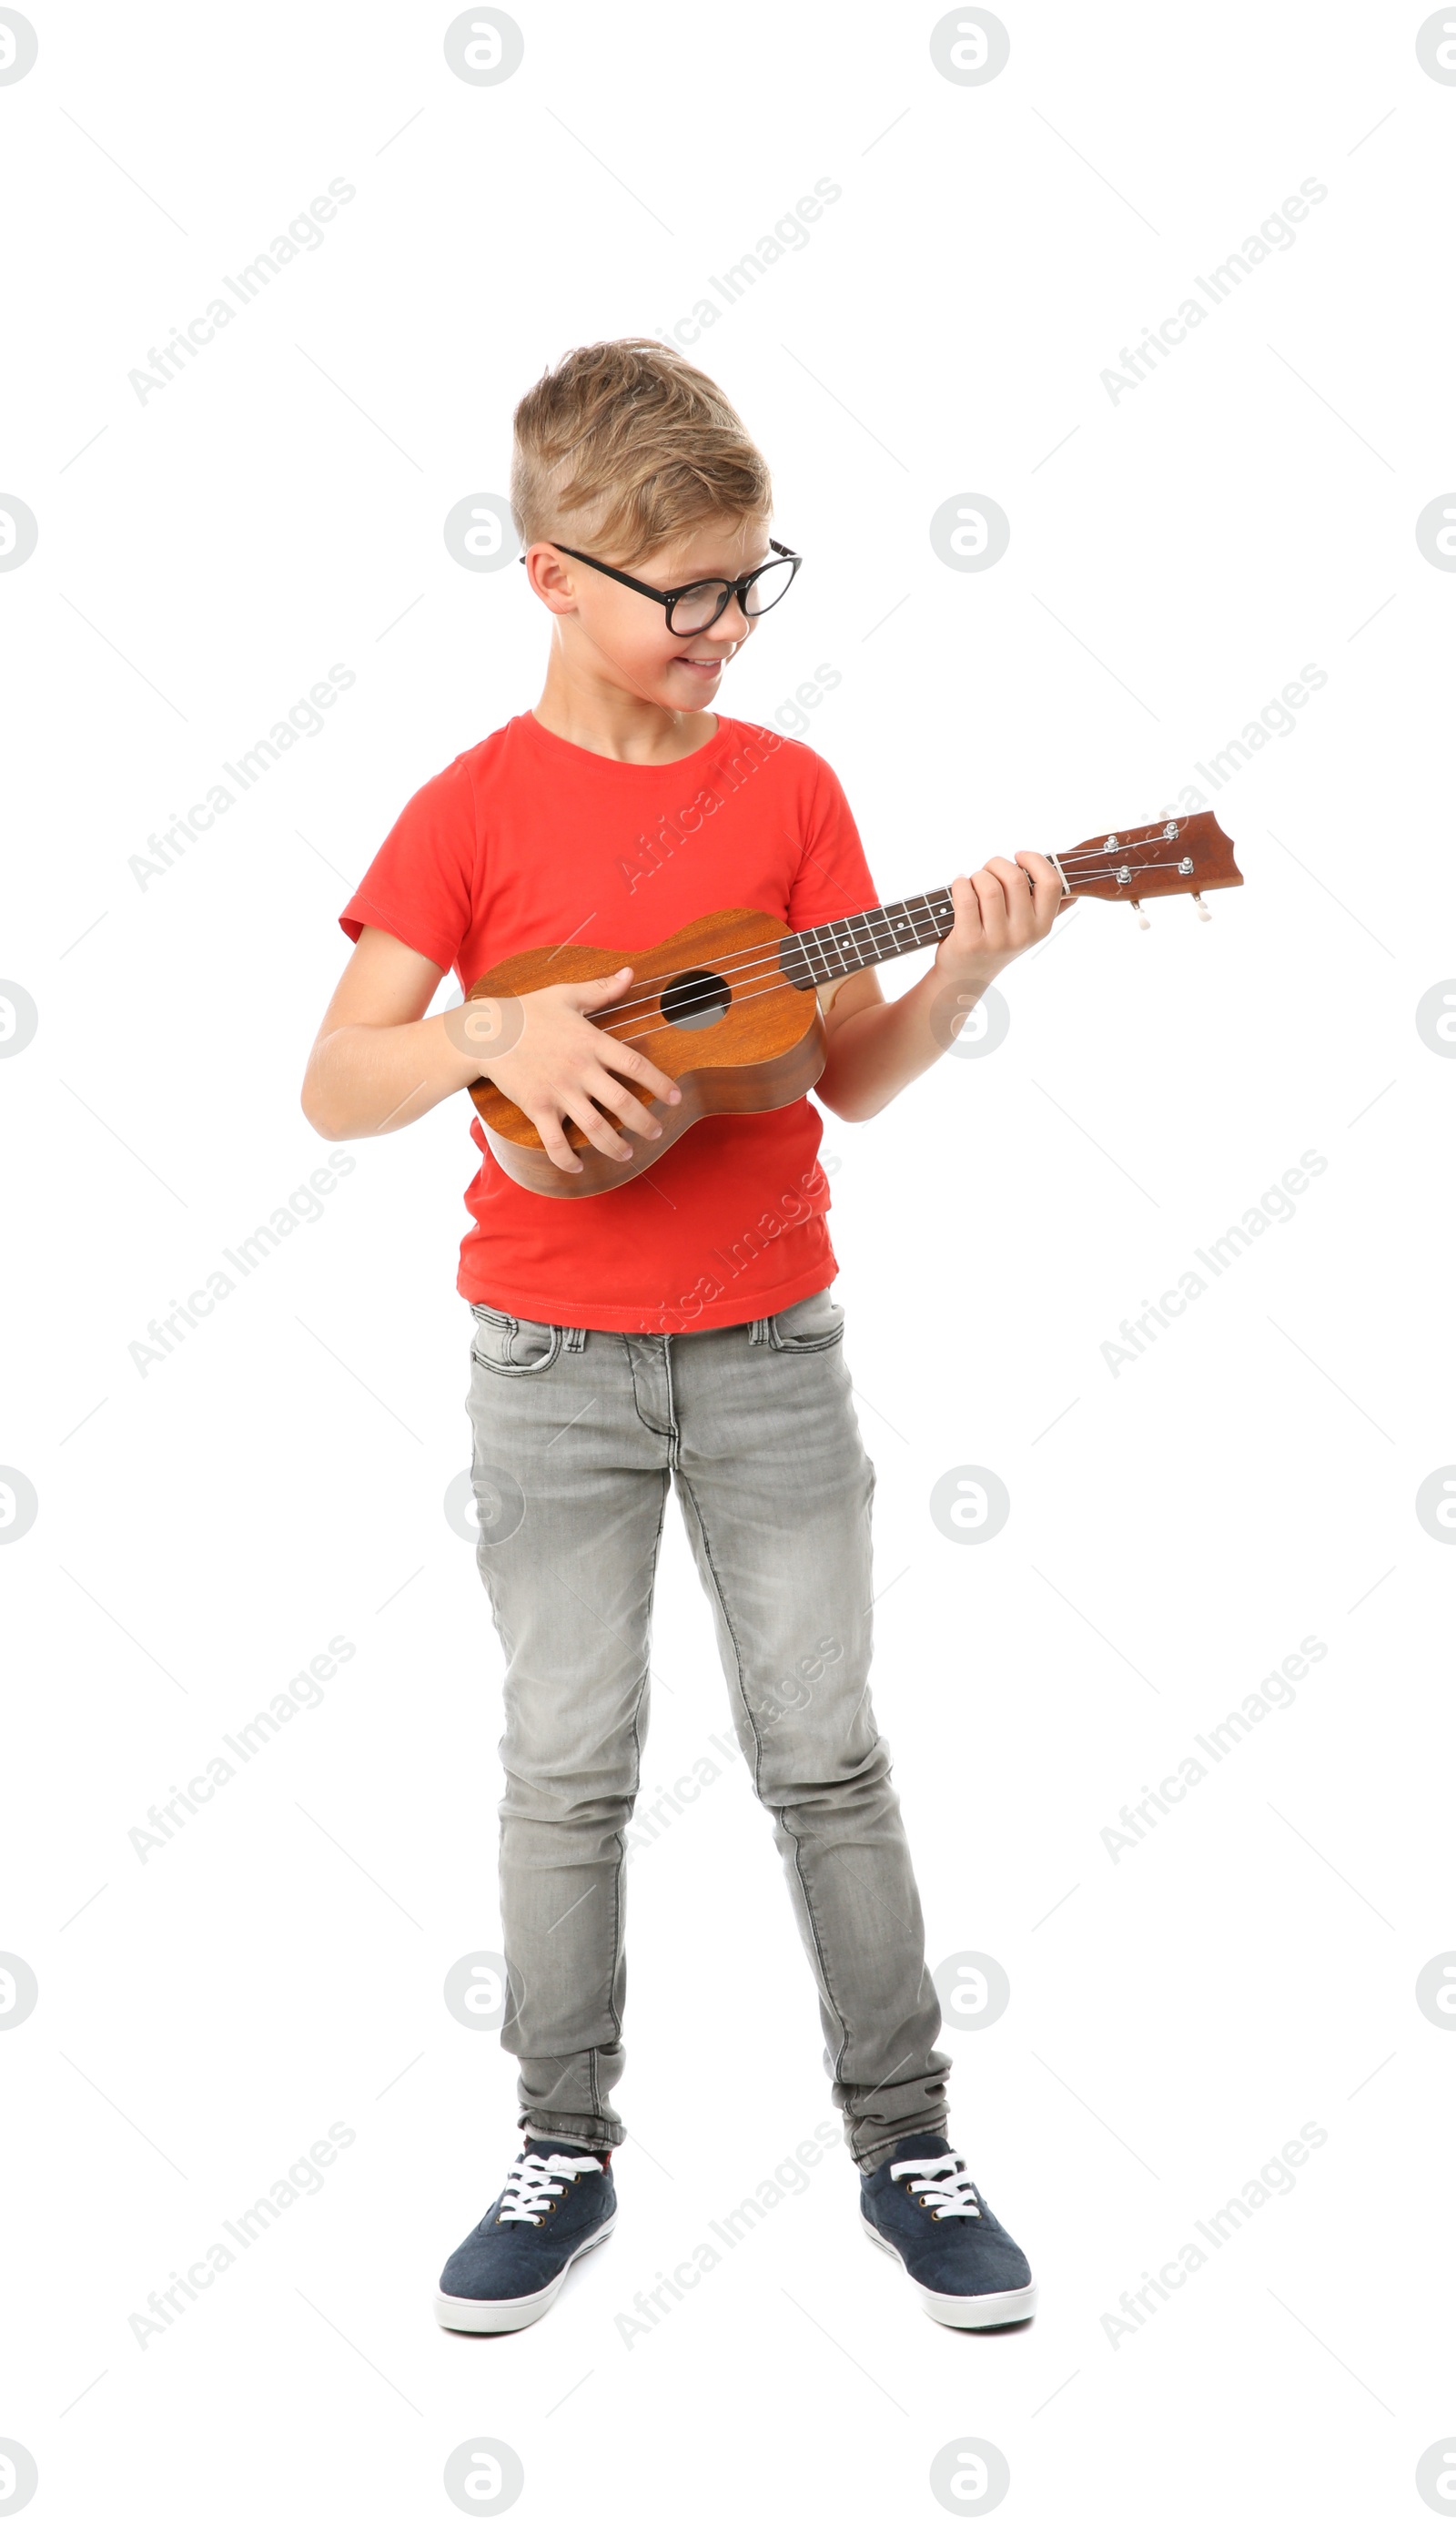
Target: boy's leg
x=571, y=1489
x=776, y=1492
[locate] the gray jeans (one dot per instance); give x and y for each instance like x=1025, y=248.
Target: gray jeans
x=576, y=1438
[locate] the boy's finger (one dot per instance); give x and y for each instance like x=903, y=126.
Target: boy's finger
x=970, y=911
x=634, y=1065
x=618, y=1097
x=596, y=1127
x=554, y=1142
x=607, y=986
x=991, y=895
x=1042, y=873
x=966, y=901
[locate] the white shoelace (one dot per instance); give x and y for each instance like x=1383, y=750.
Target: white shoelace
x=944, y=2185
x=529, y=2184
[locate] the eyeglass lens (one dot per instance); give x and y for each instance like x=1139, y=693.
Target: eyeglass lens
x=702, y=606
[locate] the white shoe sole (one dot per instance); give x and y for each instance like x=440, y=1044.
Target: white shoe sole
x=512, y=2313
x=967, y=2313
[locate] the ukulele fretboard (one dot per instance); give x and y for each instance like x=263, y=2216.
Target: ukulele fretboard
x=839, y=947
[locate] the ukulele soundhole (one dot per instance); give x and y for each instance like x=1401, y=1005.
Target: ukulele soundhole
x=696, y=999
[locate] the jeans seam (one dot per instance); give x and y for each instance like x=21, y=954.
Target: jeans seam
x=707, y=1552
x=779, y=1812
x=674, y=1434
x=651, y=1426
x=808, y=1905
x=616, y=1880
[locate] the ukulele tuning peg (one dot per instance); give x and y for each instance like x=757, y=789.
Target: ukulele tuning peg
x=1202, y=908
x=1142, y=920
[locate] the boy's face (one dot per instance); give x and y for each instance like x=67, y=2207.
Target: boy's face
x=612, y=633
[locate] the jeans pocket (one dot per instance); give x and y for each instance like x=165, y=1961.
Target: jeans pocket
x=511, y=1345
x=815, y=1323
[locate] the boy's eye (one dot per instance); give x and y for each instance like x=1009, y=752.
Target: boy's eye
x=697, y=606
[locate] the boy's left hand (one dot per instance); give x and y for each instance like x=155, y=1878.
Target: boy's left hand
x=1005, y=908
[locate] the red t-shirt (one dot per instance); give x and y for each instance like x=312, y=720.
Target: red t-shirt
x=527, y=841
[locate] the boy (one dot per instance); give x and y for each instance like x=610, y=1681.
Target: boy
x=678, y=1330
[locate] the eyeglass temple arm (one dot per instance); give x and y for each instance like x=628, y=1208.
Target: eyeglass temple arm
x=785, y=553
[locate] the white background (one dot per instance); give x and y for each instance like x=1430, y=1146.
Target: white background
x=1176, y=556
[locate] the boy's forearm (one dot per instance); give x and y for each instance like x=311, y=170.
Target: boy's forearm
x=362, y=1080
x=876, y=1050
x=879, y=1049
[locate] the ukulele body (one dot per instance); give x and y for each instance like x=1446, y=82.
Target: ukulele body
x=721, y=1019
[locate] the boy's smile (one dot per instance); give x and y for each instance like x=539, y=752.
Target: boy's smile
x=707, y=667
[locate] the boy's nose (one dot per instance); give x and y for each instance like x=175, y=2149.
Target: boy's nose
x=732, y=623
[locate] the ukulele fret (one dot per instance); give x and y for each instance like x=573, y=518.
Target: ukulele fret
x=839, y=947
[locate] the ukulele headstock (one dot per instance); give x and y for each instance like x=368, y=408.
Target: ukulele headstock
x=1180, y=855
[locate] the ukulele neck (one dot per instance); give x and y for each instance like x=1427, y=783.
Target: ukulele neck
x=1185, y=855
x=839, y=947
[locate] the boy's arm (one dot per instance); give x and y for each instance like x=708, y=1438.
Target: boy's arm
x=876, y=1047
x=379, y=1061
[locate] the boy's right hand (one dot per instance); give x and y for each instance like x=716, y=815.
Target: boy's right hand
x=541, y=1051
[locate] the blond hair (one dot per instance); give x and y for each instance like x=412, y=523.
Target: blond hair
x=628, y=444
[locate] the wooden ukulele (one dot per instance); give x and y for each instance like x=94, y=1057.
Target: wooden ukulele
x=729, y=1007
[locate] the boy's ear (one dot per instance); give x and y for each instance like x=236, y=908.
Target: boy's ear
x=549, y=575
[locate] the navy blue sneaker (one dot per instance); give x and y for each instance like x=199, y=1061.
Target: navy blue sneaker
x=922, y=2207
x=558, y=2202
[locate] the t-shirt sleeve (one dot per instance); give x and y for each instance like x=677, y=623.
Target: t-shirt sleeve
x=834, y=878
x=420, y=883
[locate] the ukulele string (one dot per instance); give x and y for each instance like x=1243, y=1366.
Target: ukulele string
x=752, y=960
x=1082, y=856
x=746, y=969
x=703, y=994
x=747, y=960
x=741, y=998
x=1084, y=860
x=643, y=1034
x=640, y=1034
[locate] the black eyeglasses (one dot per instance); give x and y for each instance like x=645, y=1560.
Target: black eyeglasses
x=698, y=606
